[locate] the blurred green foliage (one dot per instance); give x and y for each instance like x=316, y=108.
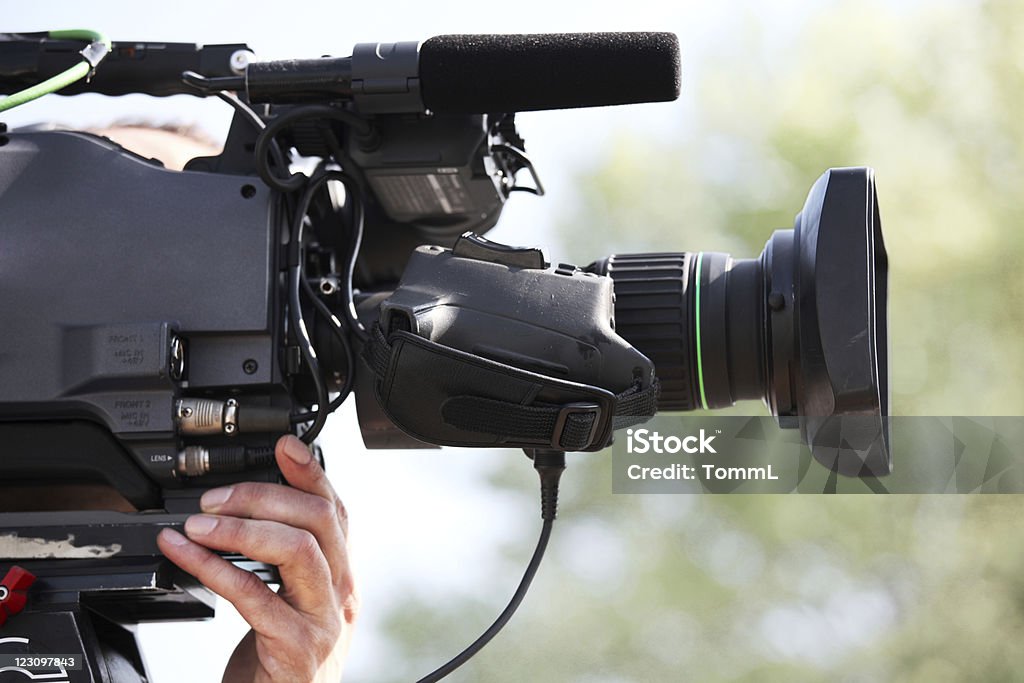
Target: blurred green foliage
x=801, y=588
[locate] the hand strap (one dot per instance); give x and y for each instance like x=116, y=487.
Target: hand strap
x=442, y=395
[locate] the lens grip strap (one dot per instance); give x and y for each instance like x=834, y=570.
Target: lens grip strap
x=446, y=396
x=569, y=428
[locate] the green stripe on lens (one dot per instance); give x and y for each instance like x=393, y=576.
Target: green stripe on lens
x=700, y=365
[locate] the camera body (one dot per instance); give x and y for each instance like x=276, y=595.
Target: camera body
x=162, y=329
x=140, y=285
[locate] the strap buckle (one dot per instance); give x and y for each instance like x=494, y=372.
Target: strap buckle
x=580, y=408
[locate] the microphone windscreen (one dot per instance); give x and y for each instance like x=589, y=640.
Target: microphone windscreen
x=479, y=74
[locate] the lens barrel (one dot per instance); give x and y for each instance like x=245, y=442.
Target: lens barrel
x=701, y=318
x=803, y=327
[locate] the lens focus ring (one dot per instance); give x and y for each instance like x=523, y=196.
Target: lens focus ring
x=653, y=312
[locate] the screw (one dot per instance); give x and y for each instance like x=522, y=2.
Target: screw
x=186, y=412
x=3, y=593
x=250, y=366
x=239, y=60
x=229, y=428
x=776, y=301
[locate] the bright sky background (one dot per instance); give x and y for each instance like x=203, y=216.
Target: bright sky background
x=423, y=517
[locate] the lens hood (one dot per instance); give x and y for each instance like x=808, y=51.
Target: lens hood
x=828, y=285
x=803, y=327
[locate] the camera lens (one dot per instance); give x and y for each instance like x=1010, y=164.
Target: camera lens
x=802, y=327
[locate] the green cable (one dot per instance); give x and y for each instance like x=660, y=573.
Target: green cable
x=700, y=364
x=99, y=46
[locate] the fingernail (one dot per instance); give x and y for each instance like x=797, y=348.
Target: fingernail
x=214, y=498
x=200, y=525
x=173, y=537
x=297, y=451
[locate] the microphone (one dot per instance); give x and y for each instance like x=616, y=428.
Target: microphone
x=480, y=74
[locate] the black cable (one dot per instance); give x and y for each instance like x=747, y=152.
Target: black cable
x=266, y=143
x=353, y=325
x=355, y=244
x=297, y=280
x=295, y=181
x=344, y=159
x=258, y=123
x=209, y=86
x=349, y=313
x=353, y=194
x=503, y=618
x=296, y=273
x=339, y=332
x=549, y=465
x=307, y=351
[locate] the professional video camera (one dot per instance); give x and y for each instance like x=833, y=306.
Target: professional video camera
x=161, y=329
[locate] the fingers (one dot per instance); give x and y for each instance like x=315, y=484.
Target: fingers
x=253, y=599
x=304, y=473
x=301, y=530
x=293, y=508
x=304, y=570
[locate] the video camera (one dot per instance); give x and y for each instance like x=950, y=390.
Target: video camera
x=161, y=329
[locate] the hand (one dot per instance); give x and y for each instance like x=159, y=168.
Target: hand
x=302, y=632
